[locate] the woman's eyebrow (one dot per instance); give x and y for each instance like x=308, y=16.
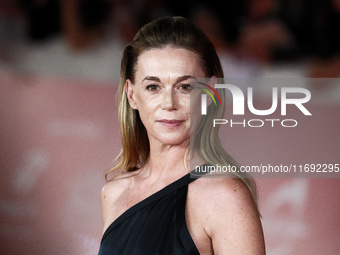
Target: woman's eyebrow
x=151, y=78
x=184, y=77
x=179, y=79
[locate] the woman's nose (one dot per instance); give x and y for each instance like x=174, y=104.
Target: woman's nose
x=169, y=100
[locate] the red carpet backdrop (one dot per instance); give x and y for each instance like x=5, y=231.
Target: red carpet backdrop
x=58, y=136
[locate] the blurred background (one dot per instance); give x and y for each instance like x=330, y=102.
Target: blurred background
x=59, y=72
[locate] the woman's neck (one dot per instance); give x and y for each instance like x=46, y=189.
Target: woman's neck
x=166, y=161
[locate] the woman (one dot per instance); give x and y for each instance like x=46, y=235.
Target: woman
x=153, y=206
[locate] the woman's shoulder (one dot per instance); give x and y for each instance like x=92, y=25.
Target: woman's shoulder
x=228, y=188
x=226, y=210
x=118, y=184
x=112, y=195
x=223, y=197
x=115, y=188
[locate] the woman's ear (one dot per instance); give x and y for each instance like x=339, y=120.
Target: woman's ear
x=212, y=81
x=130, y=94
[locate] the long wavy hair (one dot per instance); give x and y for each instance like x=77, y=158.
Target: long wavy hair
x=180, y=33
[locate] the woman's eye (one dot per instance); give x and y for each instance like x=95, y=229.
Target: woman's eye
x=152, y=87
x=185, y=87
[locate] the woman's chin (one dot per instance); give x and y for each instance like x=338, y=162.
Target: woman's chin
x=175, y=140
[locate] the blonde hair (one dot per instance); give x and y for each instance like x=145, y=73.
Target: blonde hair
x=181, y=33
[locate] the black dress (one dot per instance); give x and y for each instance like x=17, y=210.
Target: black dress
x=156, y=225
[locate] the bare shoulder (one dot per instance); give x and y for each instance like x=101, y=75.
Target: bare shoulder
x=222, y=191
x=116, y=185
x=111, y=194
x=228, y=214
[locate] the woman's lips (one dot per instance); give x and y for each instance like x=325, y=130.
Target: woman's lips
x=170, y=123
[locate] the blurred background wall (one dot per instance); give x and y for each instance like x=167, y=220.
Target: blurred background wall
x=59, y=71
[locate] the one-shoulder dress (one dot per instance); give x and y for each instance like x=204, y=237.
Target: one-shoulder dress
x=154, y=226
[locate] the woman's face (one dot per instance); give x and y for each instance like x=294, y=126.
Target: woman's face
x=161, y=92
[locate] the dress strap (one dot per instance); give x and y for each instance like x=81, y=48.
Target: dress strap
x=183, y=231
